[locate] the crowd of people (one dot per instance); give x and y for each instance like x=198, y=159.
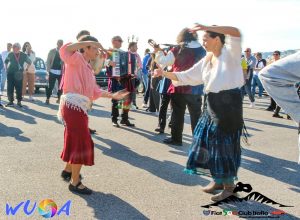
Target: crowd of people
x=209, y=79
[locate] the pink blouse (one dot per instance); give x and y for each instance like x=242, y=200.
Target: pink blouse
x=78, y=76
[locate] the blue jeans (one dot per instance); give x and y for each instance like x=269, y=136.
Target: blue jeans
x=145, y=80
x=3, y=77
x=256, y=82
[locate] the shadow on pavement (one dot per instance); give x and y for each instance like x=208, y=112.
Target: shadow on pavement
x=271, y=123
x=167, y=170
x=16, y=115
x=39, y=114
x=160, y=137
x=282, y=170
x=6, y=131
x=109, y=206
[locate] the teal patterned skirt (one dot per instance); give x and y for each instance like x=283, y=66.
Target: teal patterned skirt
x=216, y=148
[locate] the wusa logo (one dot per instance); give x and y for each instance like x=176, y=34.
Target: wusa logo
x=43, y=208
x=47, y=208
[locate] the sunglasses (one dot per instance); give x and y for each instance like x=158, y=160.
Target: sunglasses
x=246, y=51
x=275, y=54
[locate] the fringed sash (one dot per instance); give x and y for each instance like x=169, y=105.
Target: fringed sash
x=74, y=101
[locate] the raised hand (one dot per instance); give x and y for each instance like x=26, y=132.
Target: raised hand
x=198, y=27
x=120, y=94
x=157, y=73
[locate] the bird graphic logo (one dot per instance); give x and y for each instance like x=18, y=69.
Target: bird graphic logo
x=253, y=196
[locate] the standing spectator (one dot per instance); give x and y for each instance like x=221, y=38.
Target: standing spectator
x=145, y=73
x=260, y=64
x=54, y=66
x=29, y=76
x=273, y=105
x=132, y=48
x=1, y=68
x=14, y=63
x=251, y=61
x=276, y=56
x=165, y=98
x=4, y=72
x=153, y=84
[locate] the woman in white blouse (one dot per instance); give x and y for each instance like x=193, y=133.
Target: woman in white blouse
x=216, y=149
x=29, y=73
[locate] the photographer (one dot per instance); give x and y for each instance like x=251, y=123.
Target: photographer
x=14, y=64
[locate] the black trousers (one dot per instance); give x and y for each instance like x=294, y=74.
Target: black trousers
x=147, y=93
x=179, y=103
x=13, y=83
x=52, y=80
x=162, y=118
x=115, y=112
x=154, y=95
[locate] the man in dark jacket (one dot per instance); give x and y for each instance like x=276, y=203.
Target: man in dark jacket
x=14, y=64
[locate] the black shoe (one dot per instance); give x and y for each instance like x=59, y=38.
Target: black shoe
x=10, y=104
x=171, y=141
x=126, y=123
x=67, y=176
x=1, y=106
x=277, y=116
x=20, y=104
x=159, y=130
x=288, y=117
x=270, y=109
x=92, y=131
x=47, y=102
x=75, y=189
x=115, y=124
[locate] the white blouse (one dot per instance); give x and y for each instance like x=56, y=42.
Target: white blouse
x=224, y=75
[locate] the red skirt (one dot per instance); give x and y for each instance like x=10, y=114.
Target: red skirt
x=78, y=144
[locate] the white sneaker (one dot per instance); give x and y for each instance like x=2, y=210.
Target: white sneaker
x=252, y=105
x=133, y=107
x=31, y=98
x=144, y=105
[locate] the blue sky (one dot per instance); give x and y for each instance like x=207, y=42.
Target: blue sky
x=266, y=25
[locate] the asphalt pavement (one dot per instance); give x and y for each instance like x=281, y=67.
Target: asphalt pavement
x=135, y=175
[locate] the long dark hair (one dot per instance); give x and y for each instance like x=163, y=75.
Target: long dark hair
x=215, y=34
x=24, y=47
x=183, y=38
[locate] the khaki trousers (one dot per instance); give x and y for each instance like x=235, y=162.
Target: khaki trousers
x=28, y=78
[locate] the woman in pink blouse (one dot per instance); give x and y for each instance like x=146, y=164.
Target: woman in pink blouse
x=79, y=90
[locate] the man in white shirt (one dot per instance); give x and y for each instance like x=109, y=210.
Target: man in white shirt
x=4, y=73
x=54, y=66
